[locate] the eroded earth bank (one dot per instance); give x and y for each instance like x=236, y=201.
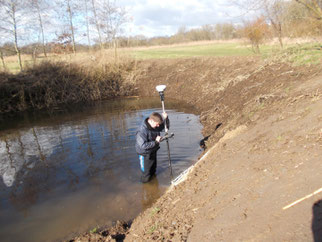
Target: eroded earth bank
x=260, y=177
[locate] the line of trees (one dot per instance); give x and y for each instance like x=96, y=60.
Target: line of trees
x=223, y=31
x=275, y=19
x=60, y=26
x=57, y=25
x=281, y=18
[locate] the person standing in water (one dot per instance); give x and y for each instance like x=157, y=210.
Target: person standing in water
x=148, y=143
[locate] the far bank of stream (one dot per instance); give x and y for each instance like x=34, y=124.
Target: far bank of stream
x=76, y=170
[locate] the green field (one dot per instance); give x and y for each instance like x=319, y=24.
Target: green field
x=216, y=49
x=295, y=53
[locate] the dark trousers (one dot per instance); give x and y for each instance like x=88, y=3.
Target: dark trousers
x=148, y=165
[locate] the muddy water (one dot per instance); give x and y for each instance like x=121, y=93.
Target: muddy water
x=76, y=169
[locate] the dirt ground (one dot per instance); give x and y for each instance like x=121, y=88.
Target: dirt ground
x=263, y=131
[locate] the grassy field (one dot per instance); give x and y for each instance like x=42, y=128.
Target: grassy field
x=193, y=49
x=296, y=53
x=306, y=53
x=216, y=49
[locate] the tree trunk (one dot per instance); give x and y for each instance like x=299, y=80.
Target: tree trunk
x=278, y=29
x=13, y=8
x=2, y=60
x=87, y=25
x=71, y=26
x=97, y=25
x=34, y=55
x=42, y=30
x=280, y=39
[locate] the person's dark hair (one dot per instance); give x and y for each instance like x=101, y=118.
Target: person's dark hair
x=156, y=117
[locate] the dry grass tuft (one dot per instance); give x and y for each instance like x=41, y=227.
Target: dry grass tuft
x=49, y=84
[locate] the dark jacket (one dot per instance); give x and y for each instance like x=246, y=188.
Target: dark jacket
x=145, y=137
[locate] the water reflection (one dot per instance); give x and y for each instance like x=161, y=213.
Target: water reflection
x=81, y=169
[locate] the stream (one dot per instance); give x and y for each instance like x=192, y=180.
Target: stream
x=75, y=169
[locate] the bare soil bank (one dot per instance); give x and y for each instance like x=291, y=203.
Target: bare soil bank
x=228, y=91
x=263, y=122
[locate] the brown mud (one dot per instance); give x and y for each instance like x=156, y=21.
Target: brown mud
x=263, y=128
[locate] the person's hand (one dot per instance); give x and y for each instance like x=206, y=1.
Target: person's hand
x=165, y=115
x=157, y=139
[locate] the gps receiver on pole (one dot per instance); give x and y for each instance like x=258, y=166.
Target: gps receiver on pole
x=160, y=89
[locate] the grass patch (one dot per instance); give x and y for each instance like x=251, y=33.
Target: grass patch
x=153, y=228
x=155, y=210
x=206, y=50
x=13, y=67
x=94, y=230
x=304, y=54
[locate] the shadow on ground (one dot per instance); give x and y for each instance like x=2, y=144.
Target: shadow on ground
x=317, y=221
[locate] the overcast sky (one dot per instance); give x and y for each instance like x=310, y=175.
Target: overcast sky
x=163, y=17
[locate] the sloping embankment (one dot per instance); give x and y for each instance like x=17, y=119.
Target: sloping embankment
x=229, y=92
x=260, y=182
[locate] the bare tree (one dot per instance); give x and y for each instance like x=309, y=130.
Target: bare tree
x=299, y=21
x=111, y=18
x=272, y=10
x=87, y=23
x=97, y=24
x=180, y=36
x=224, y=31
x=11, y=14
x=70, y=14
x=68, y=9
x=37, y=5
x=314, y=6
x=107, y=19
